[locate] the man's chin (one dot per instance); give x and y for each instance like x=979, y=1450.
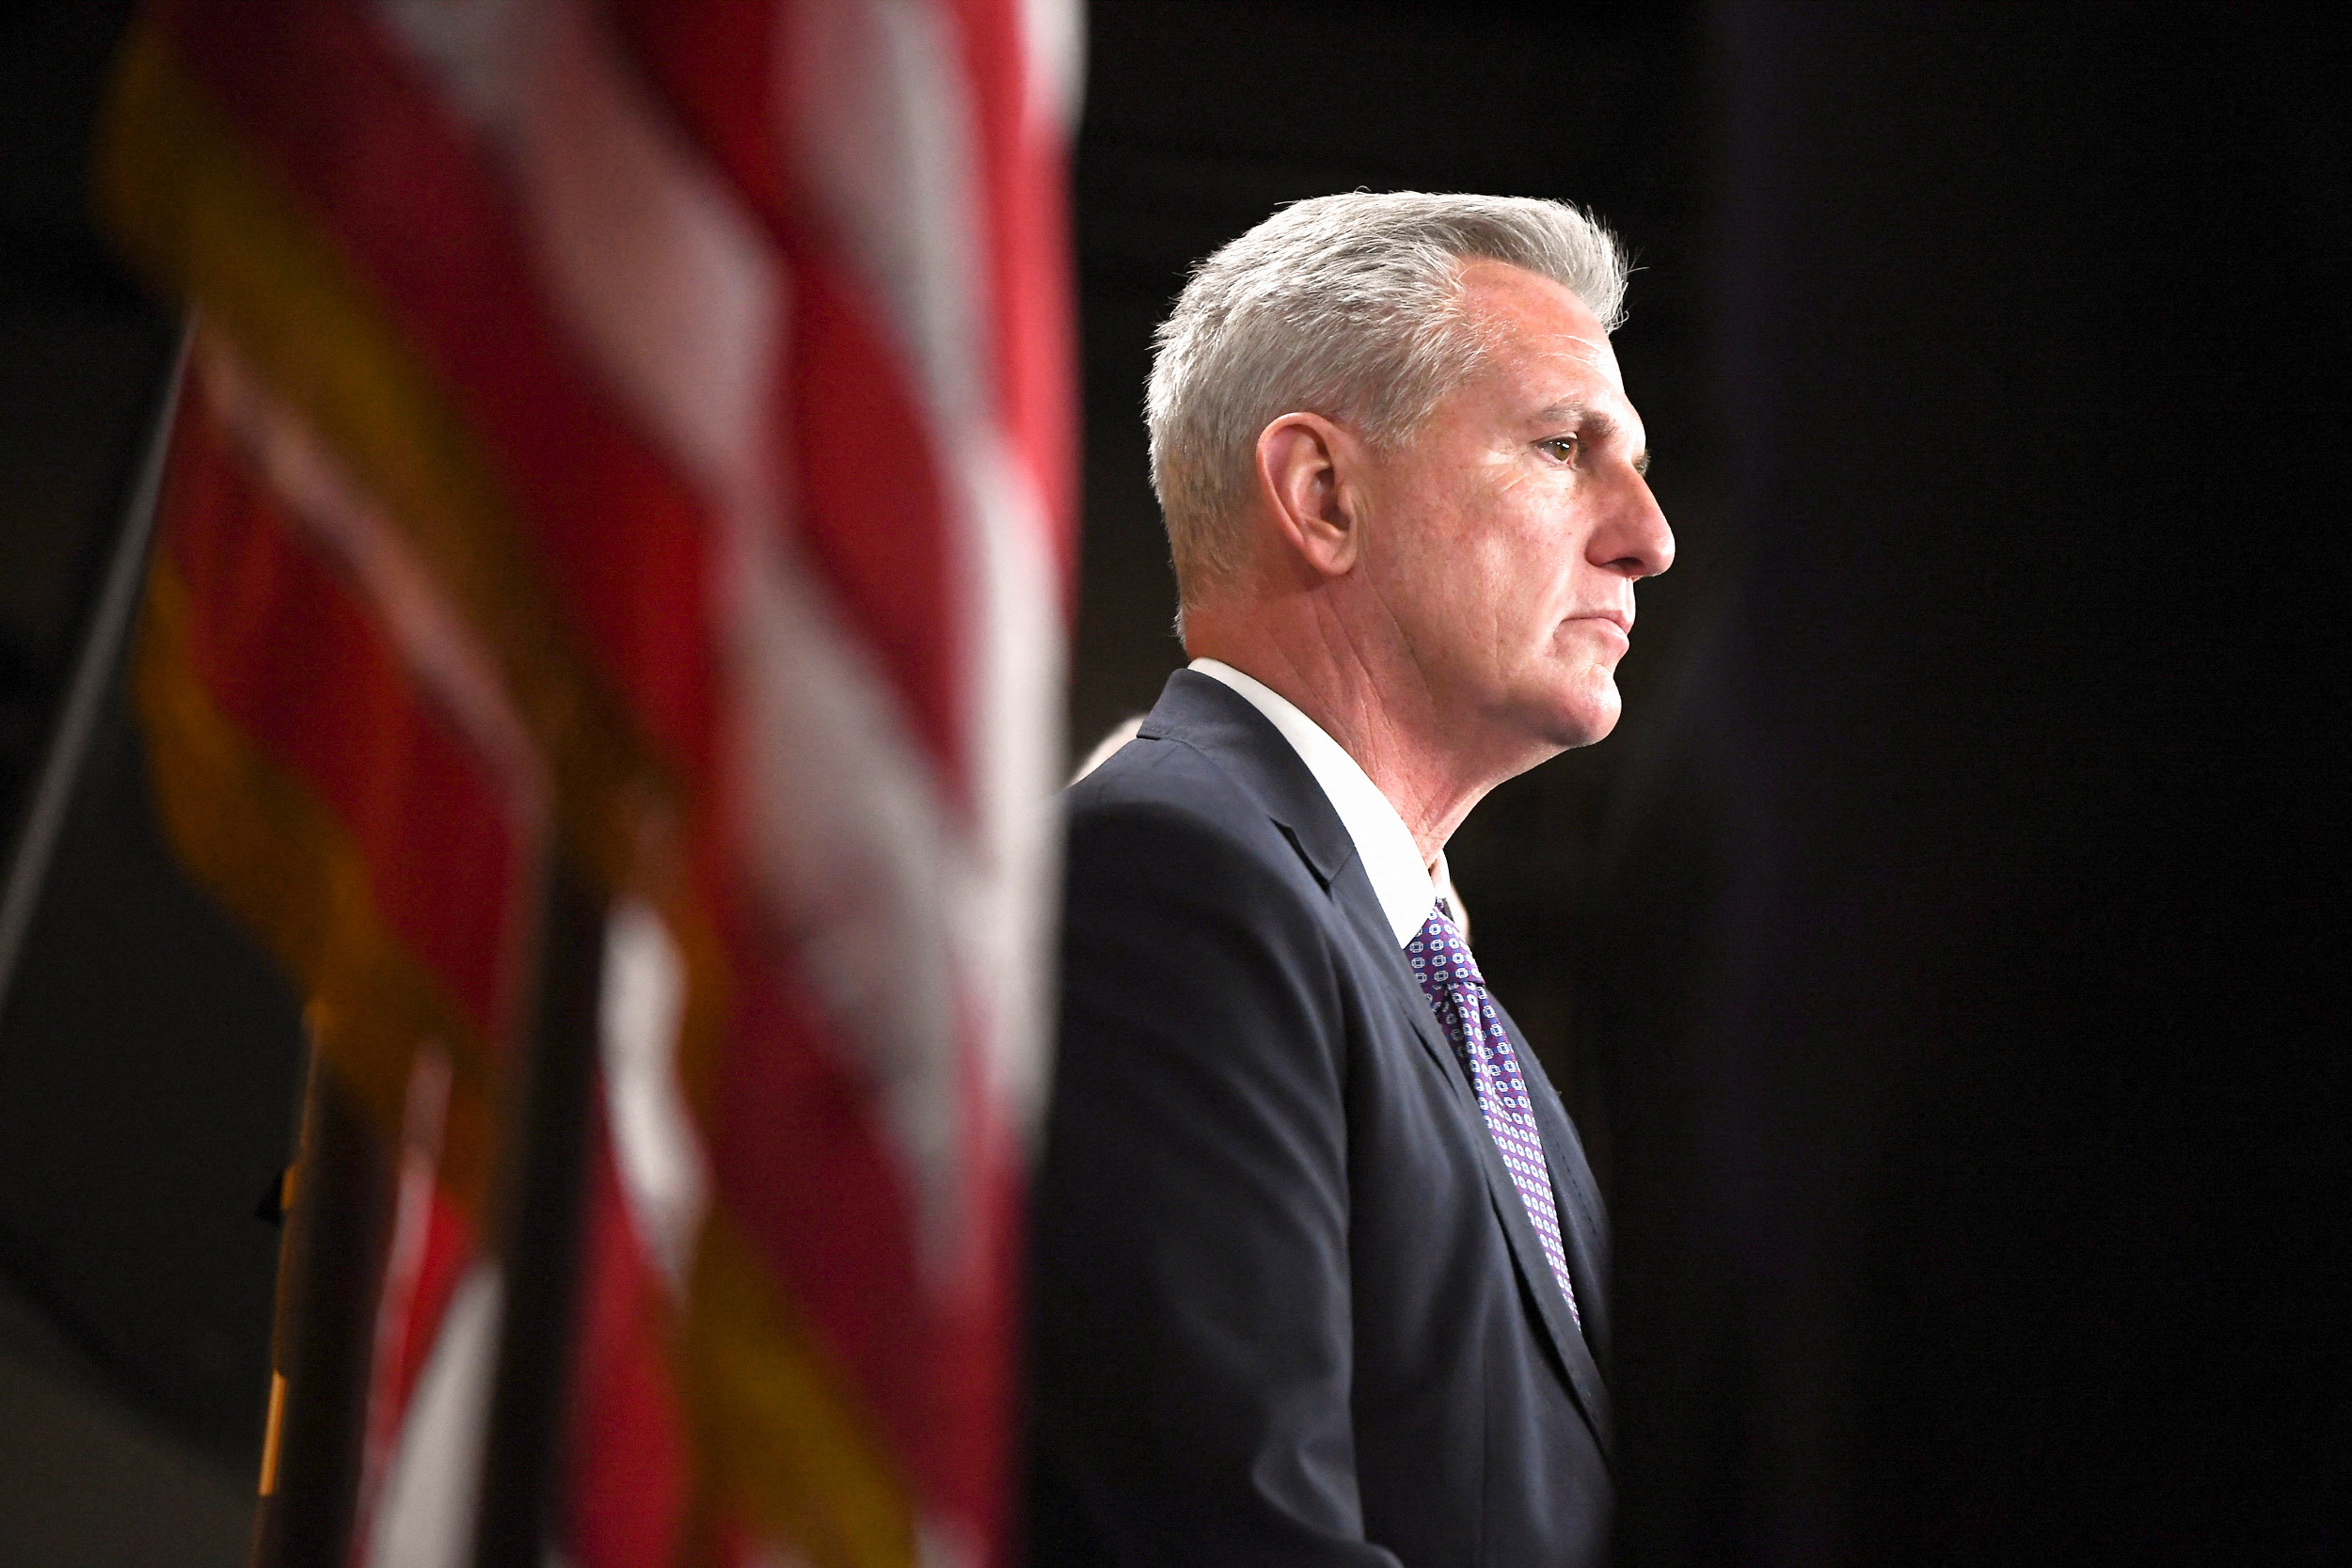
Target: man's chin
x=1583, y=716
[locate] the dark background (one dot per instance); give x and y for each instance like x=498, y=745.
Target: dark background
x=1936, y=958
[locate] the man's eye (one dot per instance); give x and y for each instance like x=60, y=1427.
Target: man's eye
x=1562, y=447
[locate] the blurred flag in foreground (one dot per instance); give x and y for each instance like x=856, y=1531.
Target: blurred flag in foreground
x=627, y=446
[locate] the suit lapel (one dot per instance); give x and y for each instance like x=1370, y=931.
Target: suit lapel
x=1353, y=896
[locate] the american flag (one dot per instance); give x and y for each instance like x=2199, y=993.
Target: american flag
x=637, y=435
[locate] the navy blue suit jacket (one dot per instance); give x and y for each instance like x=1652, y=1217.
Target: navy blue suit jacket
x=1286, y=1305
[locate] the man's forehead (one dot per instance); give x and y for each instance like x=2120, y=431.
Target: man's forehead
x=1528, y=300
x=1573, y=372
x=1544, y=330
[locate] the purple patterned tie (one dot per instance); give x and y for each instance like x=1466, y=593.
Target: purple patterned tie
x=1449, y=976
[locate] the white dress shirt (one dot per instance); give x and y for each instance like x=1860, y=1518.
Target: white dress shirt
x=1408, y=890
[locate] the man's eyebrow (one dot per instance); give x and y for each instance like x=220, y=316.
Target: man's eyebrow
x=1591, y=422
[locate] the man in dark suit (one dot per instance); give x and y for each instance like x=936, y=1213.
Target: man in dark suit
x=1318, y=1265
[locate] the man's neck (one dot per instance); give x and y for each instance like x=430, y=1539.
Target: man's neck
x=1379, y=709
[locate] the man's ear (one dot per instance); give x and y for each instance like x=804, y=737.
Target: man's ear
x=1306, y=477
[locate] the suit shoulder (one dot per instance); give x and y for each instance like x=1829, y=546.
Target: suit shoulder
x=1156, y=779
x=1161, y=809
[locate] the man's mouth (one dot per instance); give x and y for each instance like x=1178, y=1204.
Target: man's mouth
x=1621, y=619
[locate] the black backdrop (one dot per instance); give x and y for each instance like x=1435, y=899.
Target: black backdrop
x=1937, y=957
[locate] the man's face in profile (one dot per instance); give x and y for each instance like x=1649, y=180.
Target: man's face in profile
x=1513, y=523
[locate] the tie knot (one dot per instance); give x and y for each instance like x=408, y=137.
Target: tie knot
x=1441, y=959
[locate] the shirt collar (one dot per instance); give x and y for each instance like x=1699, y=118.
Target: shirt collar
x=1403, y=884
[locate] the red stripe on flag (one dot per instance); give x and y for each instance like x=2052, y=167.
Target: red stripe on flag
x=715, y=65
x=294, y=658
x=628, y=1481
x=868, y=503
x=1028, y=254
x=821, y=1201
x=978, y=1325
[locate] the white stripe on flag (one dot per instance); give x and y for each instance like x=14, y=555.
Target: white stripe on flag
x=662, y=1172
x=1053, y=34
x=426, y=1518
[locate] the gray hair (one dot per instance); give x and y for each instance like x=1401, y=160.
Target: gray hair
x=1344, y=306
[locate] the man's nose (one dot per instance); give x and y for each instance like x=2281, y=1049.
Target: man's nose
x=1635, y=542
